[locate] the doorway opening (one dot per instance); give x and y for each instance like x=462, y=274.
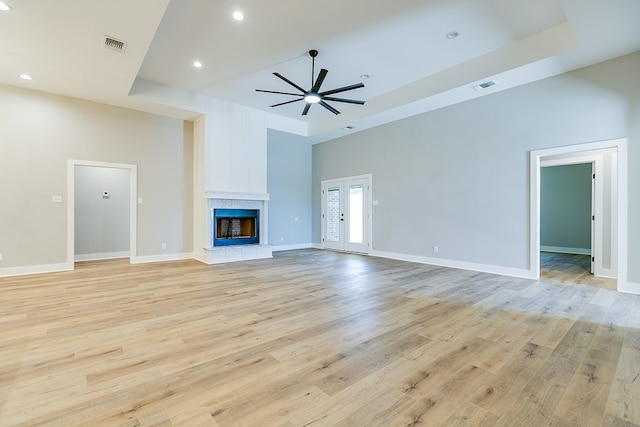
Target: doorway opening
x=576, y=210
x=609, y=217
x=97, y=226
x=346, y=214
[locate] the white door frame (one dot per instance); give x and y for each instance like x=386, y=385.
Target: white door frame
x=133, y=212
x=367, y=207
x=536, y=158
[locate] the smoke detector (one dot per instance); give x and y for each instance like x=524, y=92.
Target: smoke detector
x=114, y=44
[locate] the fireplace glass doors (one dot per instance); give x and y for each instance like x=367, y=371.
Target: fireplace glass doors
x=236, y=227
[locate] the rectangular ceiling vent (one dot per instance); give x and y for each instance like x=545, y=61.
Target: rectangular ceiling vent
x=114, y=44
x=484, y=85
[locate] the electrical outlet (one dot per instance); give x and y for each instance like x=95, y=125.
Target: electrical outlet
x=164, y=246
x=436, y=249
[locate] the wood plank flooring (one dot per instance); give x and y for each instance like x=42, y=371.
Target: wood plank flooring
x=316, y=338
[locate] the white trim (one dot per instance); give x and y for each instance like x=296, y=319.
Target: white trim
x=133, y=204
x=563, y=250
x=622, y=217
x=597, y=231
x=463, y=265
x=35, y=269
x=236, y=195
x=317, y=246
x=99, y=256
x=145, y=259
x=279, y=248
x=629, y=287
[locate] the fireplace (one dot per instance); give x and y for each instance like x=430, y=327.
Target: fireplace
x=236, y=227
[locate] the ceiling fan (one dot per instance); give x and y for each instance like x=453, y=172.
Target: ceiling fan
x=313, y=95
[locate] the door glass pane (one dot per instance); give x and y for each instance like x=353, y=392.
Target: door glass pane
x=356, y=213
x=333, y=215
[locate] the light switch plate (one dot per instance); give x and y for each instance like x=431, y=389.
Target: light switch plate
x=56, y=198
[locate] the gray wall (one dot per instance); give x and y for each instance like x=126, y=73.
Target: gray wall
x=565, y=207
x=289, y=187
x=39, y=132
x=458, y=177
x=101, y=223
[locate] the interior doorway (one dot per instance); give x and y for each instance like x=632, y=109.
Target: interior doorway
x=572, y=210
x=614, y=195
x=346, y=214
x=97, y=190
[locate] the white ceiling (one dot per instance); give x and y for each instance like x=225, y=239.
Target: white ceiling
x=401, y=44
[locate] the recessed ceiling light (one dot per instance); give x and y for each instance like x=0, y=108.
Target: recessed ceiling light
x=238, y=16
x=364, y=76
x=452, y=35
x=4, y=7
x=26, y=77
x=197, y=64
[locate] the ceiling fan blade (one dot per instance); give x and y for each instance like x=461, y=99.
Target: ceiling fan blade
x=306, y=109
x=350, y=101
x=329, y=107
x=280, y=76
x=342, y=89
x=281, y=93
x=286, y=102
x=319, y=80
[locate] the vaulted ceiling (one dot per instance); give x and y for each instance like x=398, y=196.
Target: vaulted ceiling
x=401, y=45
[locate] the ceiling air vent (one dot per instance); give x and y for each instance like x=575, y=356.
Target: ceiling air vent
x=114, y=44
x=484, y=85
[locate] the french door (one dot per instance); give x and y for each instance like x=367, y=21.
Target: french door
x=346, y=214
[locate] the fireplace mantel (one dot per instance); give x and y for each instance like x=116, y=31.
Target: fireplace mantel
x=228, y=195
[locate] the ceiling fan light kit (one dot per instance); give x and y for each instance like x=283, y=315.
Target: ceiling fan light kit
x=313, y=95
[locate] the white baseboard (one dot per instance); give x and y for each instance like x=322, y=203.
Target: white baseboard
x=629, y=287
x=317, y=246
x=100, y=256
x=563, y=250
x=606, y=273
x=278, y=248
x=463, y=265
x=35, y=269
x=161, y=258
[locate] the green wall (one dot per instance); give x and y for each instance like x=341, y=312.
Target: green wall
x=565, y=208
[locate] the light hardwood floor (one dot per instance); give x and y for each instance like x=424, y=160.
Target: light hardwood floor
x=316, y=338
